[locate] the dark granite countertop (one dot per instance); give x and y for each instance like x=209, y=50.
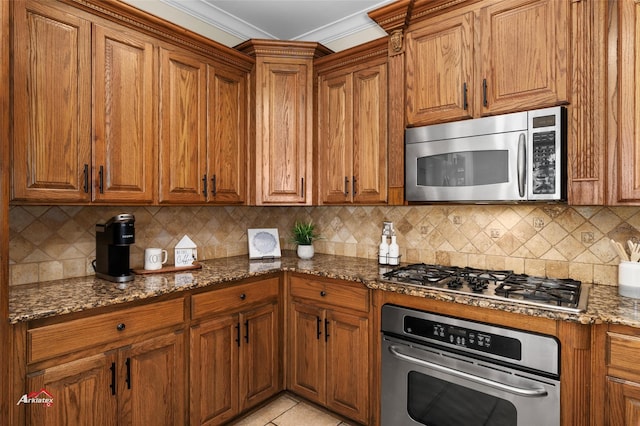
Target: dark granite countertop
x=41, y=300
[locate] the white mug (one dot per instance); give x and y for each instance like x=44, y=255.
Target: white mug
x=154, y=258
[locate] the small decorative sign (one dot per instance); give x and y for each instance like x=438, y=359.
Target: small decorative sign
x=186, y=252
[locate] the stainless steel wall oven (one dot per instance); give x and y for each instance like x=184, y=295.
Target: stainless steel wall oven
x=444, y=371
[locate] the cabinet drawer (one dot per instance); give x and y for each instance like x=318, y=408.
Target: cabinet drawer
x=69, y=336
x=624, y=355
x=332, y=293
x=233, y=298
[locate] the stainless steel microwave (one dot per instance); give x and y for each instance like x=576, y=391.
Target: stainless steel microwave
x=511, y=157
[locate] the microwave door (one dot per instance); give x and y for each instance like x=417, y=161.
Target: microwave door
x=479, y=168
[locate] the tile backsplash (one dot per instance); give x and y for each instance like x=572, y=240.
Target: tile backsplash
x=55, y=242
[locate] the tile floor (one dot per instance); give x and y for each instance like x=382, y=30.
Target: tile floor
x=288, y=410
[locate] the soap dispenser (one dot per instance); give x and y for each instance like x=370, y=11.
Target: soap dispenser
x=394, y=251
x=383, y=251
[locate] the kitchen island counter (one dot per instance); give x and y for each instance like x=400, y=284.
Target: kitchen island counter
x=40, y=300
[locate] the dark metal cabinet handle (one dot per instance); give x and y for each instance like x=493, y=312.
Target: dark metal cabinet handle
x=353, y=184
x=121, y=326
x=301, y=187
x=326, y=329
x=113, y=378
x=346, y=186
x=465, y=104
x=246, y=331
x=101, y=181
x=238, y=334
x=128, y=379
x=204, y=183
x=323, y=293
x=243, y=296
x=214, y=190
x=485, y=102
x=85, y=187
x=319, y=332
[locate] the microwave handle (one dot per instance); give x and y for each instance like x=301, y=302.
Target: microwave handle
x=522, y=163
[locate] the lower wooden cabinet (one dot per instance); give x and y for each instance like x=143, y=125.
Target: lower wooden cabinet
x=622, y=406
x=235, y=354
x=140, y=385
x=329, y=346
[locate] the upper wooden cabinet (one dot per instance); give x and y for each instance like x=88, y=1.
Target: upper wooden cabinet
x=439, y=70
x=625, y=169
x=124, y=108
x=352, y=126
x=71, y=145
x=182, y=144
x=52, y=103
x=282, y=120
x=203, y=140
x=137, y=112
x=487, y=58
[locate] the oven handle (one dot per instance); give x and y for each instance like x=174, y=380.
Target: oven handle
x=511, y=389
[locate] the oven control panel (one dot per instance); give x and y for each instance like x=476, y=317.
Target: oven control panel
x=504, y=346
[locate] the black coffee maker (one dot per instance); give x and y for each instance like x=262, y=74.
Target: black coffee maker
x=112, y=248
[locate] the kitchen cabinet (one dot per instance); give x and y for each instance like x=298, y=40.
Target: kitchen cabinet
x=625, y=115
x=282, y=120
x=623, y=376
x=235, y=350
x=329, y=345
x=487, y=58
x=56, y=119
x=352, y=128
x=121, y=367
x=203, y=138
x=52, y=116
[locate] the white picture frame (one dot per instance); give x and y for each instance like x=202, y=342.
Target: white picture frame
x=264, y=243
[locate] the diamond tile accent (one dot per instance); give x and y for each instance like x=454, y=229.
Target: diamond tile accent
x=48, y=242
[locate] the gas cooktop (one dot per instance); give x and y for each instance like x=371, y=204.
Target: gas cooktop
x=551, y=293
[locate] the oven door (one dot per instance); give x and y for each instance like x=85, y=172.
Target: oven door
x=428, y=386
x=479, y=168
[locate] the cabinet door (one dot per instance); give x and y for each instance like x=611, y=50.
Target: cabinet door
x=83, y=391
x=214, y=371
x=259, y=355
x=439, y=70
x=182, y=127
x=153, y=391
x=124, y=104
x=284, y=120
x=227, y=135
x=524, y=49
x=52, y=103
x=623, y=405
x=370, y=135
x=628, y=179
x=307, y=354
x=335, y=138
x=348, y=365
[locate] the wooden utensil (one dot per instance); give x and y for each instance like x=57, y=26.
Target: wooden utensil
x=620, y=250
x=634, y=251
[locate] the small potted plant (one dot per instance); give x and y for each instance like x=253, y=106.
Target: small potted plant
x=303, y=235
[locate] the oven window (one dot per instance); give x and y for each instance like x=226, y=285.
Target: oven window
x=467, y=168
x=435, y=402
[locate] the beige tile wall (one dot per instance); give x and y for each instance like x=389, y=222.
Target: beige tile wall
x=548, y=240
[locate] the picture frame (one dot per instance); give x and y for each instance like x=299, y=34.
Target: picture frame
x=264, y=243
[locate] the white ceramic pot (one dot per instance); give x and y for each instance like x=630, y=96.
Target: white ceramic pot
x=305, y=251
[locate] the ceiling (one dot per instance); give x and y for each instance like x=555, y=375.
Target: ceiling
x=337, y=24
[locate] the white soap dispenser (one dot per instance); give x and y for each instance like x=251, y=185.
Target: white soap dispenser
x=394, y=251
x=383, y=250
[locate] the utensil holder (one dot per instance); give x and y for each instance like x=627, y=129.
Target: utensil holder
x=629, y=279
